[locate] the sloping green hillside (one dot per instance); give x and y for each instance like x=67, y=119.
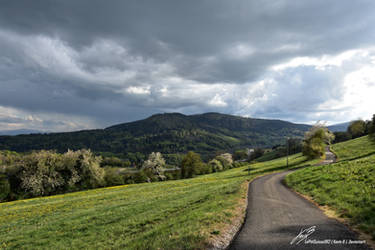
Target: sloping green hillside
x=166, y=133
x=347, y=186
x=183, y=214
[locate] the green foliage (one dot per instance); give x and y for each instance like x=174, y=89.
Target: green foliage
x=190, y=165
x=46, y=172
x=166, y=133
x=4, y=187
x=216, y=165
x=357, y=128
x=112, y=177
x=372, y=128
x=140, y=177
x=342, y=136
x=315, y=141
x=258, y=152
x=114, y=162
x=240, y=155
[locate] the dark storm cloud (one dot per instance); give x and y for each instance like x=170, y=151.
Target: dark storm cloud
x=117, y=61
x=191, y=31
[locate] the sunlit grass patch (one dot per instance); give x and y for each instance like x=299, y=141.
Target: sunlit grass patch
x=348, y=186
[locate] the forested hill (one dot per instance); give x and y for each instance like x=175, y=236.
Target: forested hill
x=168, y=133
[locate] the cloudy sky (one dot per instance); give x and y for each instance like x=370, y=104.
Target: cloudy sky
x=68, y=65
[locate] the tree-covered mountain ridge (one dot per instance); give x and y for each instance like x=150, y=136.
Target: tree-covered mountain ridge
x=168, y=133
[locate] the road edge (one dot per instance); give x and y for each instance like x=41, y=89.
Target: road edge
x=225, y=239
x=332, y=214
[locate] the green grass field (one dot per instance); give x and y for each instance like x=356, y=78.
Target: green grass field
x=182, y=214
x=347, y=186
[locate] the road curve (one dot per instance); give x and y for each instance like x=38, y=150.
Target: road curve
x=276, y=215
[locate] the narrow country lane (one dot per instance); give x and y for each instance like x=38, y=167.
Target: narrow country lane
x=276, y=215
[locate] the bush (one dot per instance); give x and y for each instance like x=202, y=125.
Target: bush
x=342, y=136
x=203, y=168
x=372, y=128
x=112, y=177
x=315, y=141
x=4, y=187
x=46, y=172
x=115, y=162
x=357, y=128
x=215, y=165
x=140, y=177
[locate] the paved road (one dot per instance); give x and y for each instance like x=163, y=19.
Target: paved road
x=276, y=215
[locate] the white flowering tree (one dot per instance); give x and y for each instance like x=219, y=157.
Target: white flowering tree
x=155, y=164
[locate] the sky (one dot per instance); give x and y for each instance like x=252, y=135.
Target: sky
x=71, y=65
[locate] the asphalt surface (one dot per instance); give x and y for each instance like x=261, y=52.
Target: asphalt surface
x=276, y=215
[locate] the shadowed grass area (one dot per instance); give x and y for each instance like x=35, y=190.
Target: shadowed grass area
x=180, y=214
x=348, y=186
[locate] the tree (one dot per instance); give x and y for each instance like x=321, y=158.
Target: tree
x=372, y=128
x=357, y=128
x=315, y=141
x=4, y=187
x=342, y=136
x=295, y=145
x=189, y=165
x=225, y=159
x=155, y=165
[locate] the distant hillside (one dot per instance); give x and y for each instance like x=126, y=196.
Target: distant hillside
x=168, y=133
x=19, y=132
x=341, y=127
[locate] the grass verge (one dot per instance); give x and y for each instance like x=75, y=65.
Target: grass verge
x=347, y=187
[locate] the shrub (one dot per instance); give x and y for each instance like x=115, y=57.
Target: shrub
x=46, y=172
x=4, y=187
x=140, y=177
x=203, y=168
x=112, y=177
x=342, y=136
x=372, y=128
x=357, y=128
x=215, y=165
x=115, y=162
x=315, y=140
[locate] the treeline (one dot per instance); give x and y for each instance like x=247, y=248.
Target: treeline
x=43, y=173
x=168, y=133
x=356, y=129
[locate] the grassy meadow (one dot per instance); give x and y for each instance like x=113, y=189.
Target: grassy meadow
x=181, y=214
x=347, y=186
